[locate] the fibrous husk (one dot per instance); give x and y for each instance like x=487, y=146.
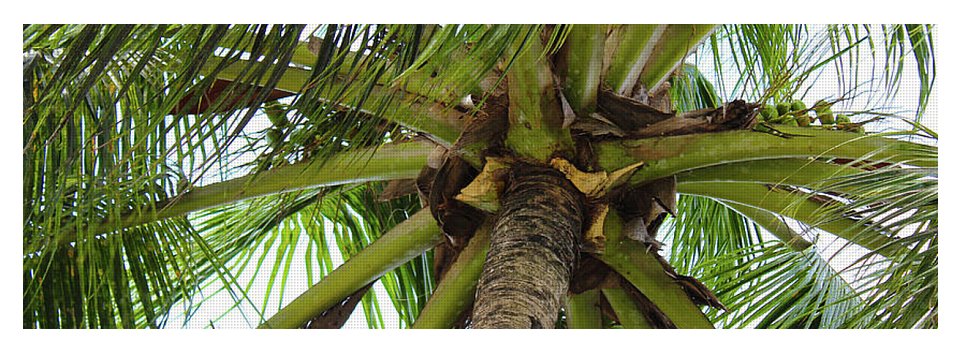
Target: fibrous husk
x=636, y=229
x=398, y=188
x=628, y=113
x=596, y=184
x=590, y=273
x=594, y=240
x=488, y=126
x=457, y=220
x=596, y=125
x=736, y=115
x=649, y=202
x=484, y=191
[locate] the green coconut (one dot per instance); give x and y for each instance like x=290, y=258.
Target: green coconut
x=768, y=112
x=826, y=116
x=804, y=120
x=843, y=118
x=783, y=108
x=797, y=105
x=791, y=121
x=276, y=113
x=851, y=127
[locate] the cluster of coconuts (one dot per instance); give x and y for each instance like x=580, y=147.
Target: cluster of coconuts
x=795, y=113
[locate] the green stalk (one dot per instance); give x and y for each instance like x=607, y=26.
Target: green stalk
x=536, y=117
x=677, y=41
x=583, y=310
x=406, y=241
x=774, y=224
x=626, y=309
x=397, y=161
x=458, y=288
x=796, y=206
x=423, y=82
x=583, y=57
x=441, y=123
x=630, y=259
x=664, y=156
x=787, y=171
x=635, y=45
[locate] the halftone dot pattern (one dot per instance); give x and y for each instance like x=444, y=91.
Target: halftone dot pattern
x=871, y=99
x=904, y=103
x=244, y=315
x=246, y=306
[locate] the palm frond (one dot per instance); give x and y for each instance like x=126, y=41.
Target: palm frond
x=783, y=288
x=128, y=279
x=356, y=221
x=902, y=290
x=920, y=39
x=582, y=311
x=115, y=146
x=769, y=286
x=691, y=90
x=456, y=290
x=410, y=284
x=629, y=315
x=643, y=270
x=581, y=65
x=778, y=63
x=706, y=228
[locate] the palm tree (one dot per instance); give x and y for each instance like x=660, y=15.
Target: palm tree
x=488, y=175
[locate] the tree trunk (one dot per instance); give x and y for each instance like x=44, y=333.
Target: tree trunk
x=533, y=248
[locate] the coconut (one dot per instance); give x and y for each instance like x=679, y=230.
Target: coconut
x=791, y=121
x=276, y=113
x=783, y=108
x=797, y=105
x=826, y=116
x=768, y=112
x=843, y=118
x=803, y=120
x=851, y=127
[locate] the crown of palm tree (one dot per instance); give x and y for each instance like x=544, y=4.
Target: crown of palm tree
x=165, y=162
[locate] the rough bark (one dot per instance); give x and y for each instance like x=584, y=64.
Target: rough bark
x=533, y=250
